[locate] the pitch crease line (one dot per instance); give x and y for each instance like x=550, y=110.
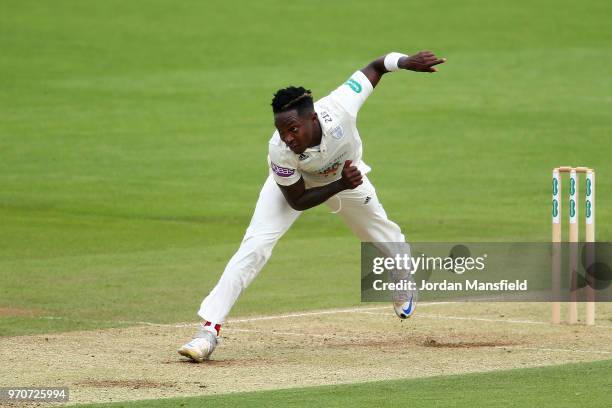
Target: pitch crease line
x=479, y=319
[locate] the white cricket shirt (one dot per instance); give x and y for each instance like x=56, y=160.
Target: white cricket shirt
x=340, y=139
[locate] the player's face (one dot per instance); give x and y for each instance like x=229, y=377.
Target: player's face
x=298, y=132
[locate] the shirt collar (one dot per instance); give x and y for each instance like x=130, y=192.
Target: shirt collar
x=324, y=134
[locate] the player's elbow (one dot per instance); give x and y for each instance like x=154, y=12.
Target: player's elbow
x=297, y=206
x=295, y=195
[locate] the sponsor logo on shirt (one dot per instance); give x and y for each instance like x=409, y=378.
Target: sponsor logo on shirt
x=354, y=85
x=282, y=171
x=332, y=169
x=302, y=156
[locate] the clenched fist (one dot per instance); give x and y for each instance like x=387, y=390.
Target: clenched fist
x=351, y=176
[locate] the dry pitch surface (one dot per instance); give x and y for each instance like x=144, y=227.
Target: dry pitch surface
x=302, y=349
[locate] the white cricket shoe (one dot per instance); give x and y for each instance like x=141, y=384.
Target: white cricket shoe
x=201, y=347
x=405, y=310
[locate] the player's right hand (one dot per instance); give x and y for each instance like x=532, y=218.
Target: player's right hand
x=351, y=176
x=423, y=61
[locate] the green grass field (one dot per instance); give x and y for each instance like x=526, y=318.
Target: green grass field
x=133, y=141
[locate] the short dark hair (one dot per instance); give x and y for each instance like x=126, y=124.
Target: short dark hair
x=292, y=98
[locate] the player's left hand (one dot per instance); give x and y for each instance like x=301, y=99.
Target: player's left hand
x=423, y=61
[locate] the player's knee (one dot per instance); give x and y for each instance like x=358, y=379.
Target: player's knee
x=263, y=253
x=256, y=250
x=244, y=267
x=395, y=233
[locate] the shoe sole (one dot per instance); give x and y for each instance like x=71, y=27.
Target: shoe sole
x=191, y=354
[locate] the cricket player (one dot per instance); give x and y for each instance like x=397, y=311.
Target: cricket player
x=314, y=158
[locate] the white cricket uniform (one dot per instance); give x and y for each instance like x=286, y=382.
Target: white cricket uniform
x=319, y=165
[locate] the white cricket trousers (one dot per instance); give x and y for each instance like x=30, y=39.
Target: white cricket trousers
x=273, y=216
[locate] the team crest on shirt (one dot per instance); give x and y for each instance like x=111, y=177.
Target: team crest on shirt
x=337, y=132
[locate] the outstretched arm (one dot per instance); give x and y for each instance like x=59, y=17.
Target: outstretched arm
x=423, y=61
